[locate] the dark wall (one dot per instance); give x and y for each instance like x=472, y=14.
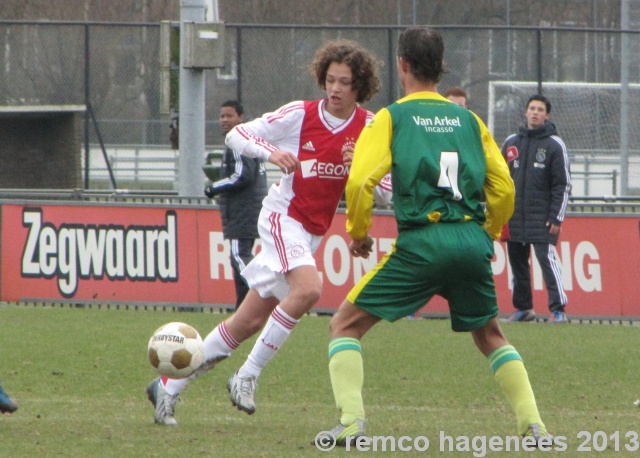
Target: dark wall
x=40, y=151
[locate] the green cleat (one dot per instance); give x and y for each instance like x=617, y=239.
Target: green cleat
x=538, y=433
x=343, y=434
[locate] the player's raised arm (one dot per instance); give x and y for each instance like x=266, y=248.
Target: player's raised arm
x=371, y=162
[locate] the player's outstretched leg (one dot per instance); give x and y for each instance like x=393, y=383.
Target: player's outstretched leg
x=510, y=373
x=242, y=389
x=163, y=392
x=163, y=402
x=242, y=385
x=346, y=370
x=341, y=435
x=347, y=377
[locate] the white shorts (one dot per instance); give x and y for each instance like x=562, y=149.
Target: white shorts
x=285, y=246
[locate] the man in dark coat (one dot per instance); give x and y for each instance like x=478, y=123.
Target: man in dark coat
x=240, y=190
x=539, y=166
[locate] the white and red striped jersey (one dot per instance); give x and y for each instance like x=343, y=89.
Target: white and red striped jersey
x=311, y=194
x=383, y=193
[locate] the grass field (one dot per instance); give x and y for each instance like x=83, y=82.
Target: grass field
x=79, y=376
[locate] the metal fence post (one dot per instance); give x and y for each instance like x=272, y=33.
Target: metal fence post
x=239, y=62
x=87, y=100
x=192, y=94
x=539, y=58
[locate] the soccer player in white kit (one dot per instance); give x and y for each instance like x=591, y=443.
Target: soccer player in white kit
x=312, y=144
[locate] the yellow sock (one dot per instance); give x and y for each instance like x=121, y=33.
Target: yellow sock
x=347, y=377
x=512, y=377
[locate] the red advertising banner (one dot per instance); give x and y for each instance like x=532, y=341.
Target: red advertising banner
x=214, y=267
x=599, y=258
x=99, y=253
x=147, y=254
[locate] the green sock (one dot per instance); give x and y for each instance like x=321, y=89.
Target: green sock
x=347, y=377
x=512, y=377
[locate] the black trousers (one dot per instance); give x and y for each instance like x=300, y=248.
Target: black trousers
x=519, y=254
x=240, y=257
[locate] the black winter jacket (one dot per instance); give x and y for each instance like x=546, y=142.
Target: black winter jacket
x=539, y=166
x=240, y=192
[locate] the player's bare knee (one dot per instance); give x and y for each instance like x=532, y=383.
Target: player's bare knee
x=244, y=326
x=345, y=325
x=336, y=326
x=309, y=294
x=489, y=337
x=313, y=294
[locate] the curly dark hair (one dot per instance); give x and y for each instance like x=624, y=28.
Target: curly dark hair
x=423, y=49
x=363, y=66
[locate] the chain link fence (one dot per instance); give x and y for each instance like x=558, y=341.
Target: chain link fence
x=591, y=76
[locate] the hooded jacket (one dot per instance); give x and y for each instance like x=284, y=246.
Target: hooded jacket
x=539, y=167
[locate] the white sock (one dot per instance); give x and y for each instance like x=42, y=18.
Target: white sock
x=174, y=386
x=273, y=336
x=217, y=345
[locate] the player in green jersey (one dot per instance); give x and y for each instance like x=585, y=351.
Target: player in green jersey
x=444, y=165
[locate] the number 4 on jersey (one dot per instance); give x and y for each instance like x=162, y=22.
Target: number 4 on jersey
x=449, y=173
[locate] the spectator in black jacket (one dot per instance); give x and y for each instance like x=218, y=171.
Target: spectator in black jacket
x=539, y=166
x=240, y=190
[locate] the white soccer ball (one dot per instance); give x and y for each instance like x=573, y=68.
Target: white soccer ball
x=175, y=350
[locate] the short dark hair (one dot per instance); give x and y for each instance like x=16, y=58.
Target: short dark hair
x=362, y=63
x=540, y=98
x=456, y=91
x=423, y=50
x=235, y=105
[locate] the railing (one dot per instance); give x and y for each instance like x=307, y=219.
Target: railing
x=578, y=205
x=135, y=164
x=157, y=167
x=590, y=177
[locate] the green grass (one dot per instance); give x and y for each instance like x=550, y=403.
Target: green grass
x=79, y=376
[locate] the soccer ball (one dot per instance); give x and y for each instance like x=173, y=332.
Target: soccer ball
x=175, y=350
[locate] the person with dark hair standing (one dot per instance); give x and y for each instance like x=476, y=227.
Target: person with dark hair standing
x=539, y=166
x=239, y=191
x=443, y=163
x=311, y=142
x=457, y=95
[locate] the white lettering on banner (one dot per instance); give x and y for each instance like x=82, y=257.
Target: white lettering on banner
x=339, y=244
x=340, y=268
x=346, y=263
x=593, y=281
x=114, y=266
x=75, y=251
x=587, y=274
x=500, y=263
x=219, y=253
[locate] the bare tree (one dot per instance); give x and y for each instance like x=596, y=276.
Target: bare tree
x=581, y=13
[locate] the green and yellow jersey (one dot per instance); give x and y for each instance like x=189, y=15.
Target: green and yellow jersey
x=444, y=166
